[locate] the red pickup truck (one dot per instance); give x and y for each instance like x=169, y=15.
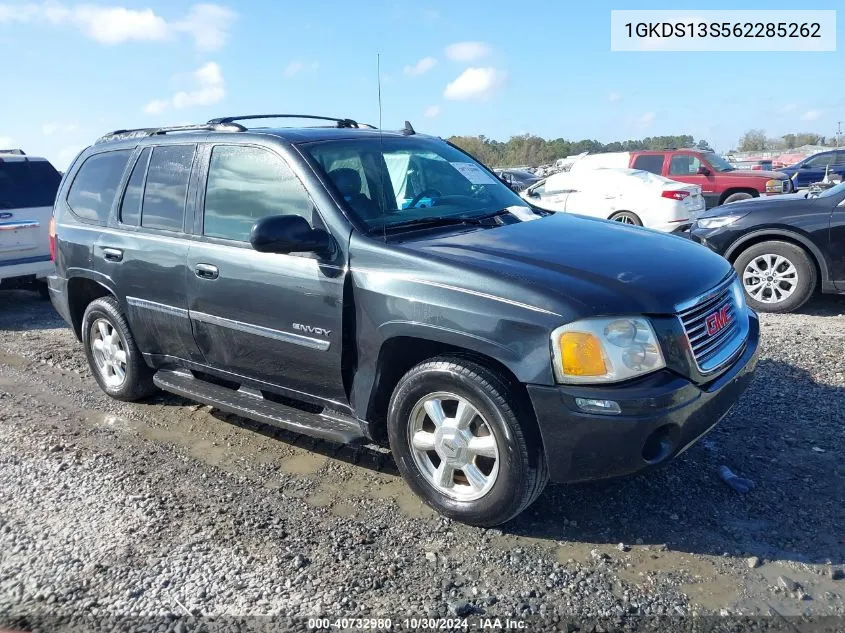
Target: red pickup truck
x=719, y=181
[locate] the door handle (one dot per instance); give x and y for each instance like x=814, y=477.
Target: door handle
x=206, y=271
x=113, y=254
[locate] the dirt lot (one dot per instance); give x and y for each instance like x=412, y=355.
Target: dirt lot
x=167, y=508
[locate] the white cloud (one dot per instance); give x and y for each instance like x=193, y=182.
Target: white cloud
x=467, y=51
x=422, y=66
x=811, y=115
x=647, y=119
x=475, y=83
x=207, y=24
x=51, y=128
x=614, y=96
x=7, y=142
x=432, y=111
x=208, y=88
x=295, y=67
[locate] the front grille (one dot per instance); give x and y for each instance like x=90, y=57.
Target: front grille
x=713, y=349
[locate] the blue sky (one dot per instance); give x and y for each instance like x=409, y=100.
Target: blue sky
x=74, y=71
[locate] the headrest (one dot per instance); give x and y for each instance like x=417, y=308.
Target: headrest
x=347, y=180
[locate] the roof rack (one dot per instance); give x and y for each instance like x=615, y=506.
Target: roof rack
x=119, y=135
x=231, y=119
x=16, y=152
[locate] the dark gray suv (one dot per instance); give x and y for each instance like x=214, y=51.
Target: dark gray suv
x=363, y=285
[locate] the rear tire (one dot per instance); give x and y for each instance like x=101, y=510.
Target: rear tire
x=776, y=276
x=464, y=443
x=113, y=356
x=736, y=197
x=627, y=217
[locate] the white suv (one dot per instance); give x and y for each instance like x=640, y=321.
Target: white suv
x=28, y=188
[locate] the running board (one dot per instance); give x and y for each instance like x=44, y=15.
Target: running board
x=251, y=404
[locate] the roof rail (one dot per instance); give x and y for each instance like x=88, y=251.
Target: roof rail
x=119, y=135
x=232, y=119
x=16, y=152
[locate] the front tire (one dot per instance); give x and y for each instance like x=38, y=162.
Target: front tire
x=464, y=443
x=112, y=354
x=776, y=276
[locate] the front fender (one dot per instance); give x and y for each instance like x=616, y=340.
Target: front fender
x=780, y=233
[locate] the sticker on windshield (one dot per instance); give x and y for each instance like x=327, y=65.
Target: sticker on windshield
x=474, y=173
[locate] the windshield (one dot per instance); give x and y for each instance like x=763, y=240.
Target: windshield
x=833, y=191
x=393, y=181
x=718, y=163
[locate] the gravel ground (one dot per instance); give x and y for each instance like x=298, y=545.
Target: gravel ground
x=166, y=510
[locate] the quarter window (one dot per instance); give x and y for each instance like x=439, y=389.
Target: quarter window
x=95, y=186
x=649, y=162
x=246, y=184
x=167, y=187
x=130, y=207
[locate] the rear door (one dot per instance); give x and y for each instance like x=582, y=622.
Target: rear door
x=274, y=318
x=27, y=193
x=145, y=249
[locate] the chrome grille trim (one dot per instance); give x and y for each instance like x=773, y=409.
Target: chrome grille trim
x=711, y=353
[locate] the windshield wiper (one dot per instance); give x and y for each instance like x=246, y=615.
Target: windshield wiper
x=432, y=222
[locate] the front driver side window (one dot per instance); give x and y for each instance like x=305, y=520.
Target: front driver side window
x=820, y=161
x=246, y=184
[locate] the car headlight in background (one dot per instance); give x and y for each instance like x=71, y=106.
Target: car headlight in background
x=718, y=221
x=605, y=350
x=775, y=186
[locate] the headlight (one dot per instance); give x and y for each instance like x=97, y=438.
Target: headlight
x=717, y=221
x=605, y=350
x=775, y=186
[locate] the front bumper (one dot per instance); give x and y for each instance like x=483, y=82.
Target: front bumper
x=662, y=415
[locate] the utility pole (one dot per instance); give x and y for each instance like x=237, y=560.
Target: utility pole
x=838, y=132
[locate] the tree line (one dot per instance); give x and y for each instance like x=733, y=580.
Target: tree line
x=528, y=149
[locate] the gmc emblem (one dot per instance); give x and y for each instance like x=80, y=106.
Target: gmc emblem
x=717, y=320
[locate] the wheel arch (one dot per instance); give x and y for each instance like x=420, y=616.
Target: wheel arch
x=769, y=235
x=727, y=193
x=81, y=291
x=400, y=353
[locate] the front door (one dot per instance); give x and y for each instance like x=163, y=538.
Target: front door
x=837, y=242
x=686, y=168
x=276, y=319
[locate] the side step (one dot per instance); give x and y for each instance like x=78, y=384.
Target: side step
x=250, y=404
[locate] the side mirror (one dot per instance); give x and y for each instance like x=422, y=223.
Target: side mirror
x=288, y=234
x=703, y=171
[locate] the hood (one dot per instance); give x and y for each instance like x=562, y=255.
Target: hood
x=752, y=204
x=750, y=173
x=582, y=265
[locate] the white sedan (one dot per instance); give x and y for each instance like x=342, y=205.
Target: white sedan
x=632, y=196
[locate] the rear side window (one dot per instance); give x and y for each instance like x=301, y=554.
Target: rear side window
x=130, y=207
x=95, y=186
x=649, y=162
x=25, y=184
x=246, y=184
x=167, y=187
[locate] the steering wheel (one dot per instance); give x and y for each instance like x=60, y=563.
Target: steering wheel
x=422, y=194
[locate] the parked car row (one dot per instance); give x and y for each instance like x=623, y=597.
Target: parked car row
x=366, y=285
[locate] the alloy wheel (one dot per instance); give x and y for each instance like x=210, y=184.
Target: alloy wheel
x=624, y=218
x=770, y=278
x=109, y=352
x=453, y=446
